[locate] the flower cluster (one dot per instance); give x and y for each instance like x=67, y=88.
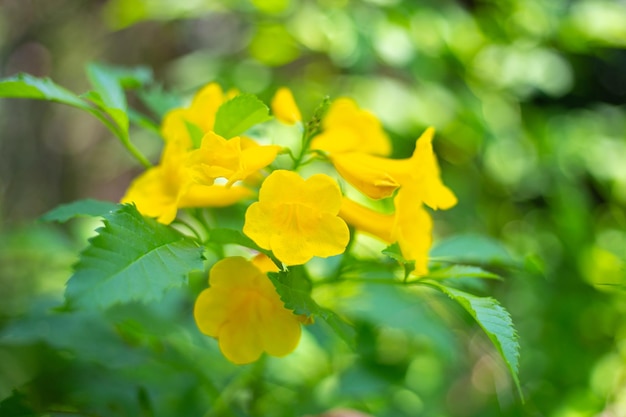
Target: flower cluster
x=293, y=218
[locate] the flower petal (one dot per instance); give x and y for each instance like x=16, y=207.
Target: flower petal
x=413, y=229
x=348, y=128
x=297, y=219
x=434, y=193
x=374, y=176
x=285, y=108
x=367, y=220
x=213, y=196
x=244, y=312
x=307, y=233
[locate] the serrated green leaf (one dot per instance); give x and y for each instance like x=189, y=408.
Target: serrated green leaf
x=131, y=258
x=27, y=86
x=294, y=289
x=496, y=323
x=473, y=249
x=81, y=208
x=239, y=114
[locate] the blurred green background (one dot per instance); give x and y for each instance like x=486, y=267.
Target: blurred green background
x=528, y=99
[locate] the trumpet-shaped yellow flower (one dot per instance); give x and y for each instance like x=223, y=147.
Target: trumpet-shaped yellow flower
x=378, y=177
x=297, y=219
x=234, y=159
x=163, y=189
x=347, y=128
x=410, y=226
x=242, y=309
x=284, y=107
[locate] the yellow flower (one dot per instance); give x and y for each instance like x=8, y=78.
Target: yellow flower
x=284, y=107
x=242, y=309
x=297, y=219
x=410, y=226
x=174, y=183
x=215, y=195
x=347, y=128
x=378, y=177
x=234, y=159
x=157, y=192
x=201, y=114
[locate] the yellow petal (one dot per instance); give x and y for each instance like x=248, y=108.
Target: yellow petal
x=174, y=127
x=413, y=229
x=367, y=220
x=264, y=263
x=204, y=107
x=213, y=307
x=319, y=191
x=239, y=338
x=284, y=107
x=153, y=195
x=213, y=196
x=374, y=176
x=297, y=219
x=157, y=191
x=234, y=159
x=259, y=223
x=281, y=330
x=244, y=312
x=348, y=128
x=301, y=232
x=426, y=171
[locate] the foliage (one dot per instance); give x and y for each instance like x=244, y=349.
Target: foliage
x=527, y=101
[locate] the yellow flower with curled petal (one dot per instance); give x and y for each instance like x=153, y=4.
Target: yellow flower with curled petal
x=297, y=219
x=234, y=159
x=242, y=309
x=161, y=190
x=347, y=128
x=378, y=177
x=284, y=107
x=411, y=226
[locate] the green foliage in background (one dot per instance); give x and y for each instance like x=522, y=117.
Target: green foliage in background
x=528, y=101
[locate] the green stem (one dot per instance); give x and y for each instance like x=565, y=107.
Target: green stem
x=311, y=129
x=123, y=137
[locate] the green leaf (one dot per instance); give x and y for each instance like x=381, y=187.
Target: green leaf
x=473, y=249
x=131, y=258
x=16, y=406
x=294, y=289
x=81, y=208
x=462, y=271
x=495, y=321
x=159, y=101
x=239, y=114
x=130, y=77
x=195, y=133
x=110, y=93
x=394, y=252
x=27, y=86
x=234, y=237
